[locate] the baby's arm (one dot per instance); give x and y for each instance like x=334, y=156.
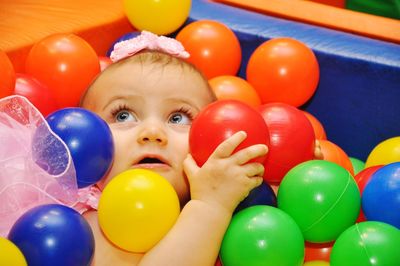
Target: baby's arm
x=216, y=189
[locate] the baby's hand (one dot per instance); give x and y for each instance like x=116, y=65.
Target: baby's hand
x=226, y=178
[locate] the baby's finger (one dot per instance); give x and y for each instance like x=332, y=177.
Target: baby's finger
x=246, y=154
x=255, y=182
x=226, y=148
x=190, y=166
x=253, y=169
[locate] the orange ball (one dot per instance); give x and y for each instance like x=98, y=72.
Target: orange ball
x=335, y=154
x=213, y=47
x=66, y=64
x=283, y=70
x=234, y=88
x=317, y=126
x=7, y=75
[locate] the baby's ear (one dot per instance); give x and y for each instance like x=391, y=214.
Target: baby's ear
x=318, y=155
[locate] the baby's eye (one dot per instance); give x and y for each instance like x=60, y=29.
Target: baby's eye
x=180, y=118
x=124, y=116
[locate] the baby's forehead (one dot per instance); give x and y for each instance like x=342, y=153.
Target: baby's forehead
x=156, y=77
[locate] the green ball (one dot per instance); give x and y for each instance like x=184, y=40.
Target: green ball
x=358, y=165
x=367, y=243
x=262, y=235
x=322, y=197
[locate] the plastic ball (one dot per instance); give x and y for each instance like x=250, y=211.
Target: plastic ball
x=316, y=263
x=7, y=75
x=53, y=235
x=137, y=208
x=158, y=16
x=357, y=164
x=388, y=151
x=318, y=252
x=89, y=139
x=235, y=88
x=10, y=254
x=362, y=178
x=381, y=196
x=261, y=195
x=220, y=120
x=37, y=93
x=322, y=197
x=283, y=70
x=66, y=64
x=367, y=243
x=262, y=235
x=213, y=47
x=292, y=139
x=319, y=130
x=333, y=153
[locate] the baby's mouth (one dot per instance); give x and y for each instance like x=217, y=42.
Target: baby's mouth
x=150, y=162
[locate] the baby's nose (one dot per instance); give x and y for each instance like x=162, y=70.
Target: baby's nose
x=153, y=134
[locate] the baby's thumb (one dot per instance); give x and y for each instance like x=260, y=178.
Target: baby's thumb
x=256, y=181
x=190, y=166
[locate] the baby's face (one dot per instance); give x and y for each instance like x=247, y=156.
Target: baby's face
x=149, y=110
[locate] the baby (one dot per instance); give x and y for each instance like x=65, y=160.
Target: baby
x=149, y=97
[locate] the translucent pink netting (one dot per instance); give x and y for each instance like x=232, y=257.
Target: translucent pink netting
x=35, y=164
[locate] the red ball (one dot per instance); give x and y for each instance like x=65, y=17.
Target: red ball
x=362, y=179
x=220, y=120
x=7, y=75
x=292, y=139
x=317, y=251
x=66, y=64
x=283, y=70
x=37, y=93
x=213, y=47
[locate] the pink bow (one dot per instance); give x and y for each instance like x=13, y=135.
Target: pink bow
x=149, y=41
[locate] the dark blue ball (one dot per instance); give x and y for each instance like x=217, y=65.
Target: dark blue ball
x=380, y=199
x=124, y=37
x=53, y=234
x=89, y=139
x=261, y=195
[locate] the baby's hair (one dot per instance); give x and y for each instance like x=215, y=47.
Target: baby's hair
x=156, y=58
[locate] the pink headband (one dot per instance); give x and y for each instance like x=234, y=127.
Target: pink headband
x=149, y=41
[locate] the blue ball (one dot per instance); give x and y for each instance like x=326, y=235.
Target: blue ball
x=89, y=140
x=381, y=197
x=124, y=37
x=261, y=195
x=53, y=234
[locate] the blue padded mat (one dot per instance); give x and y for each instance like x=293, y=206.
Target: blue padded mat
x=358, y=96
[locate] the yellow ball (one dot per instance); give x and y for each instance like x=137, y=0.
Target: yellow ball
x=10, y=254
x=137, y=208
x=386, y=152
x=158, y=16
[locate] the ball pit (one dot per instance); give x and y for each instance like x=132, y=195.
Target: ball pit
x=343, y=74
